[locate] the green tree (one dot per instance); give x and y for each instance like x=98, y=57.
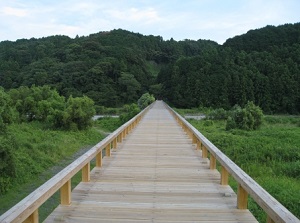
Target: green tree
x=129, y=87
x=8, y=113
x=145, y=100
x=77, y=114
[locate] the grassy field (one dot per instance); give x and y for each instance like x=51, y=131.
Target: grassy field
x=39, y=154
x=270, y=155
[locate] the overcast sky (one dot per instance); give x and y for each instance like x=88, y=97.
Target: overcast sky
x=216, y=20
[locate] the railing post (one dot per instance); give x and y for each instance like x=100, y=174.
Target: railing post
x=212, y=162
x=242, y=198
x=65, y=193
x=194, y=139
x=86, y=176
x=198, y=145
x=224, y=176
x=33, y=218
x=270, y=220
x=204, y=152
x=99, y=159
x=107, y=150
x=119, y=138
x=115, y=143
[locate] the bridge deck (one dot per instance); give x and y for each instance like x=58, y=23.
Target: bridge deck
x=155, y=175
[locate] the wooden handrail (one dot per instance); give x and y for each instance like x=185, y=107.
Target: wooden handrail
x=276, y=211
x=27, y=209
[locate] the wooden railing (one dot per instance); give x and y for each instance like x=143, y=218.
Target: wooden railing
x=276, y=212
x=27, y=209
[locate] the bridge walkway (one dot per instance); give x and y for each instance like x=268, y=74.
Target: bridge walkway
x=155, y=175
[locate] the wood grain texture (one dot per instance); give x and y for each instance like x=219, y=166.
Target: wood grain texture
x=155, y=175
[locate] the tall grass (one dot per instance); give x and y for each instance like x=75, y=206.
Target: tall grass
x=39, y=154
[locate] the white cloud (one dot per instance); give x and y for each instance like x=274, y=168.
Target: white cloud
x=10, y=11
x=205, y=19
x=135, y=15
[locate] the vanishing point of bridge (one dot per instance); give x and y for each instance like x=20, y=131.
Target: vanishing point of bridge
x=160, y=172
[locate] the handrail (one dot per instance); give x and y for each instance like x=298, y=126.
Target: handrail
x=27, y=209
x=276, y=211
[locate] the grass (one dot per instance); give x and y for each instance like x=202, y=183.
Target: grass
x=43, y=152
x=270, y=155
x=39, y=155
x=108, y=124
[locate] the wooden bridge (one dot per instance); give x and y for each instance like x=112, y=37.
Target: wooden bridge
x=160, y=172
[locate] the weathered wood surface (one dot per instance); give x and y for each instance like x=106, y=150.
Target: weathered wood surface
x=155, y=175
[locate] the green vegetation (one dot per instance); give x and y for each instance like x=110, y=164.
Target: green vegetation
x=248, y=118
x=145, y=100
x=35, y=149
x=32, y=151
x=270, y=155
x=107, y=124
x=115, y=68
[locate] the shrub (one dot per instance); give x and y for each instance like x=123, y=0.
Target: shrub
x=8, y=113
x=79, y=113
x=145, y=100
x=248, y=118
x=208, y=123
x=129, y=112
x=7, y=163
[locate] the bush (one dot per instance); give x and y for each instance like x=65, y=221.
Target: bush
x=36, y=103
x=78, y=114
x=8, y=113
x=7, y=162
x=248, y=118
x=145, y=100
x=208, y=123
x=129, y=112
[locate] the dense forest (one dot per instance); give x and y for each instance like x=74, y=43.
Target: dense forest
x=115, y=68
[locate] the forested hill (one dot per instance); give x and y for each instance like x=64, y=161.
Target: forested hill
x=112, y=68
x=266, y=38
x=117, y=67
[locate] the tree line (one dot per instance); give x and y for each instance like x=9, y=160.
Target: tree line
x=115, y=68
